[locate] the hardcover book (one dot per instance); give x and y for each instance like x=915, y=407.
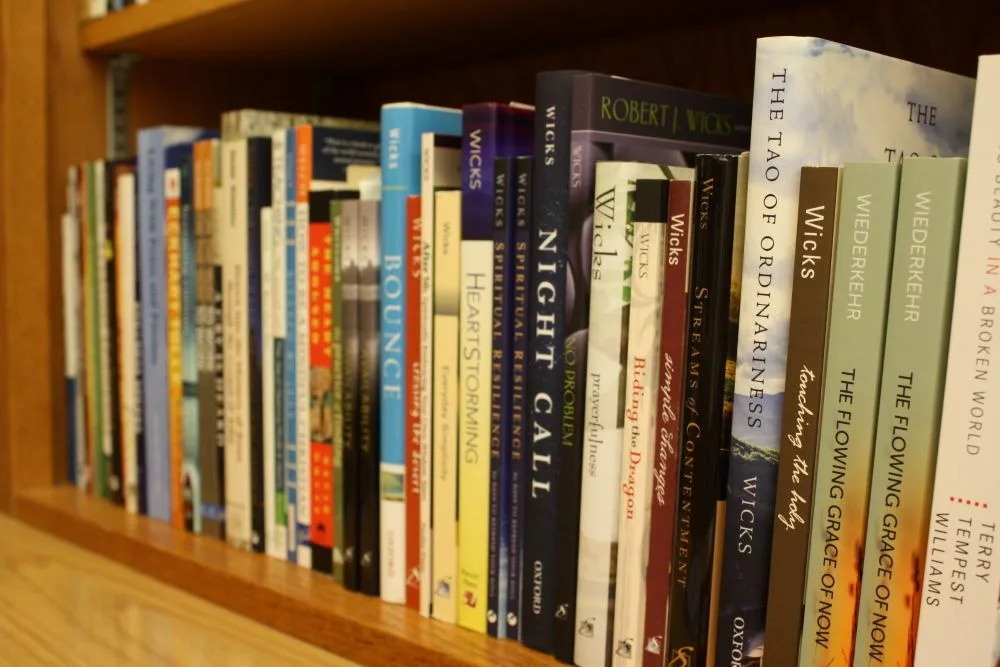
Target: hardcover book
x=447, y=273
x=522, y=196
x=714, y=227
x=606, y=397
x=819, y=197
x=414, y=370
x=151, y=258
x=440, y=169
x=959, y=626
x=909, y=408
x=818, y=102
x=369, y=314
x=402, y=126
x=612, y=118
x=172, y=195
x=350, y=222
x=673, y=205
x=858, y=301
x=489, y=130
x=645, y=287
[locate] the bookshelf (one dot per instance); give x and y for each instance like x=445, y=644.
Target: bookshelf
x=201, y=57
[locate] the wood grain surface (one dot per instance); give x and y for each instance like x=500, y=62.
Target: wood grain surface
x=61, y=605
x=301, y=603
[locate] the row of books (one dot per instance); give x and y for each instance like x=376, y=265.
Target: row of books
x=523, y=367
x=95, y=9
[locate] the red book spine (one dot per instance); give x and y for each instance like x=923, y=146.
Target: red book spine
x=414, y=455
x=320, y=371
x=673, y=326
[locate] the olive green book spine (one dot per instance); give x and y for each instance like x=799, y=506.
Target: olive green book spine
x=913, y=373
x=858, y=307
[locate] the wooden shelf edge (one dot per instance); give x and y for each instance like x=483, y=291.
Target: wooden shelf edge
x=112, y=33
x=303, y=604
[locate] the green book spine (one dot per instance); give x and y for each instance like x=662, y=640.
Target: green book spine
x=858, y=305
x=337, y=377
x=916, y=347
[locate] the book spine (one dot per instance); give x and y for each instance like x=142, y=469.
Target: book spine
x=518, y=390
x=116, y=491
x=233, y=244
x=291, y=344
x=190, y=473
x=413, y=427
x=910, y=401
x=90, y=326
x=667, y=434
x=858, y=300
x=125, y=331
x=426, y=334
x=704, y=387
x=303, y=480
x=204, y=195
x=369, y=313
x=267, y=373
x=819, y=194
x=105, y=451
x=175, y=410
x=278, y=547
x=553, y=94
x=479, y=148
x=476, y=294
x=501, y=328
x=350, y=276
x=258, y=184
x=70, y=245
x=447, y=277
x=569, y=405
x=141, y=425
x=635, y=501
x=320, y=327
x=399, y=180
x=958, y=626
x=336, y=330
x=607, y=350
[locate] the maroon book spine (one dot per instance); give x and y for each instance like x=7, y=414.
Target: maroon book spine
x=673, y=325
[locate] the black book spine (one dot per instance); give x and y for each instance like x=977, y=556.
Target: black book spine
x=116, y=487
x=258, y=196
x=189, y=377
x=350, y=222
x=369, y=315
x=519, y=379
x=704, y=387
x=140, y=413
x=553, y=97
x=218, y=355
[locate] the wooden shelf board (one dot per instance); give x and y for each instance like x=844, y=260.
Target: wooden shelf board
x=351, y=37
x=293, y=600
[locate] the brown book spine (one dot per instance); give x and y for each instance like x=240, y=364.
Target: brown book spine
x=673, y=322
x=819, y=196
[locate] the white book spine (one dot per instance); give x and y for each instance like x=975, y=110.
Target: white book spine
x=278, y=313
x=104, y=315
x=959, y=606
x=636, y=468
x=601, y=472
x=72, y=326
x=128, y=353
x=427, y=362
x=233, y=244
x=267, y=373
x=447, y=274
x=303, y=514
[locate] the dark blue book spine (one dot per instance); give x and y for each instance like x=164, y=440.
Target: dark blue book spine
x=500, y=398
x=551, y=173
x=140, y=392
x=258, y=196
x=519, y=307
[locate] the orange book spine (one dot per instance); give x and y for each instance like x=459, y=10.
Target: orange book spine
x=172, y=194
x=320, y=371
x=414, y=366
